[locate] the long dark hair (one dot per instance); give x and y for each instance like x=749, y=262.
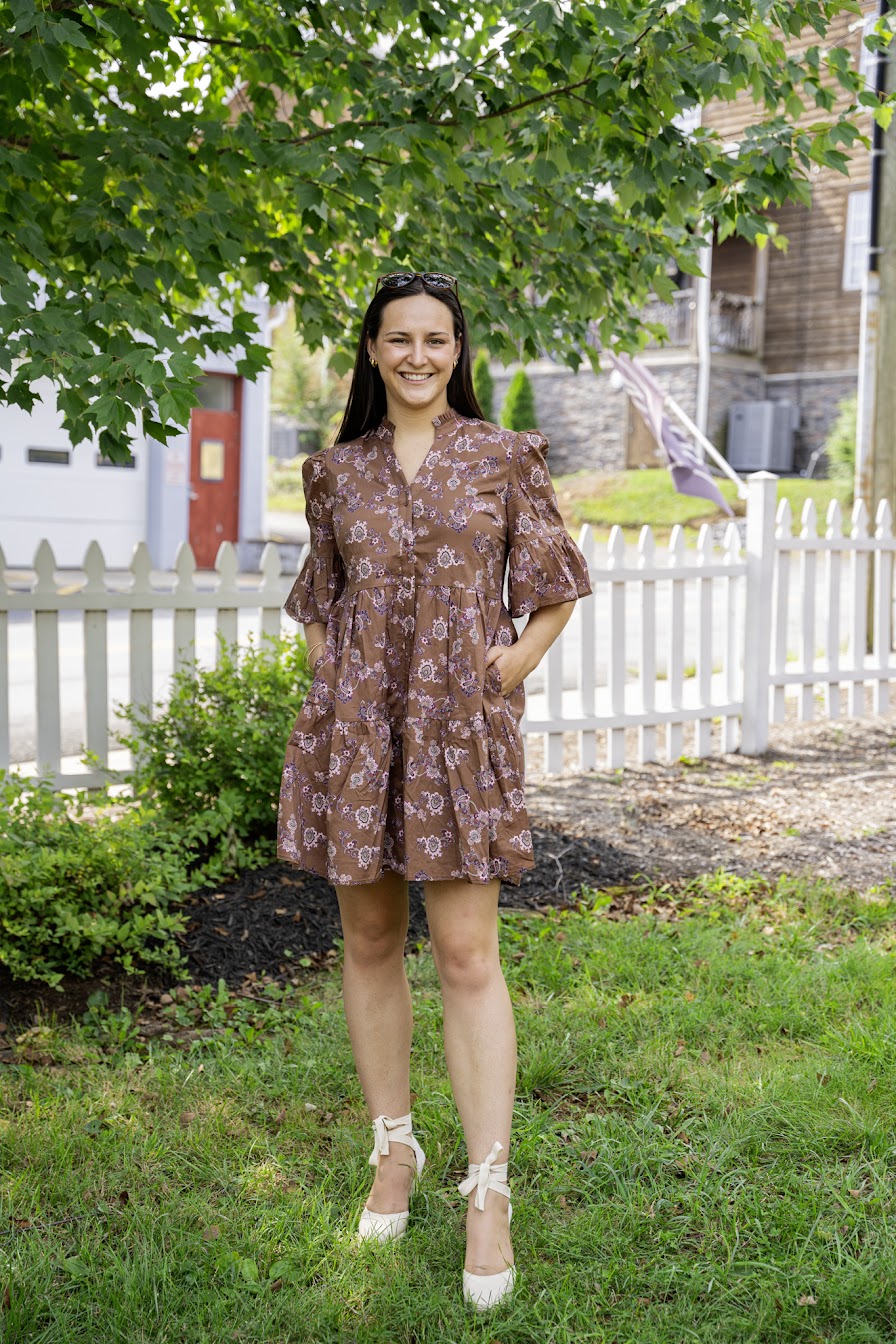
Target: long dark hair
x=366, y=403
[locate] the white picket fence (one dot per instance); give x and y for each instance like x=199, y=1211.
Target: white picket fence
x=710, y=641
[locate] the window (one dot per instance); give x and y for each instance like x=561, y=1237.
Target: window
x=59, y=456
x=103, y=461
x=216, y=391
x=858, y=236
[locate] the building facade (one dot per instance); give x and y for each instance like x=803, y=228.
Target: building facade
x=783, y=326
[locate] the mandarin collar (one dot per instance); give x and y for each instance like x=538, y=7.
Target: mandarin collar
x=387, y=428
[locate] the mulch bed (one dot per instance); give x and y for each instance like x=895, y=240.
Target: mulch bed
x=276, y=922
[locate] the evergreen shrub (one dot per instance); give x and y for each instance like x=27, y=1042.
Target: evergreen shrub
x=840, y=445
x=518, y=411
x=484, y=385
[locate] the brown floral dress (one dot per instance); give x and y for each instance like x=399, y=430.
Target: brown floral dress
x=405, y=754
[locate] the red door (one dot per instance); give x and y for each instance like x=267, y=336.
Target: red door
x=215, y=466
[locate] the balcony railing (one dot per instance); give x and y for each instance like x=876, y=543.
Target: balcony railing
x=732, y=321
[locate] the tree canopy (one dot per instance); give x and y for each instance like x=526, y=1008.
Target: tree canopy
x=159, y=161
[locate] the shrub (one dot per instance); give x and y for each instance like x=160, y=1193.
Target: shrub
x=75, y=890
x=840, y=445
x=210, y=761
x=518, y=411
x=484, y=384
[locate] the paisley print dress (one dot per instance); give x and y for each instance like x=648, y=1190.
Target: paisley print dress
x=405, y=754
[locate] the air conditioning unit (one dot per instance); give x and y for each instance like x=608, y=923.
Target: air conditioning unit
x=760, y=435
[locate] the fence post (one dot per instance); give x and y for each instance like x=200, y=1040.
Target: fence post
x=762, y=494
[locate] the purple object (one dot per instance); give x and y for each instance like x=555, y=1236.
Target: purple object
x=690, y=475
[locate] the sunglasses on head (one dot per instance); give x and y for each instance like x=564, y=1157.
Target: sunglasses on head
x=398, y=279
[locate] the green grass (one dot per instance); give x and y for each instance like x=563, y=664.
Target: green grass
x=631, y=499
x=703, y=1147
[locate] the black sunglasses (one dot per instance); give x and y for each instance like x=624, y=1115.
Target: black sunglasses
x=398, y=279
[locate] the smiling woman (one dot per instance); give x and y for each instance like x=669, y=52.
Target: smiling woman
x=406, y=761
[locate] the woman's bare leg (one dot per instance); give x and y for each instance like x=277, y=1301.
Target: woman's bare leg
x=377, y=1001
x=480, y=1045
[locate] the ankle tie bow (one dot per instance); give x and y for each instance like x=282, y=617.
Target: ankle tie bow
x=382, y=1126
x=487, y=1175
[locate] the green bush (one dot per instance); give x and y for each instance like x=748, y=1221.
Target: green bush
x=484, y=384
x=211, y=759
x=840, y=445
x=73, y=890
x=518, y=411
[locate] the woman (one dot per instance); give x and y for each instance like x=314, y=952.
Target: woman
x=406, y=761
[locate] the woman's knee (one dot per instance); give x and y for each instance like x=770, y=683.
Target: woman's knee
x=465, y=966
x=374, y=924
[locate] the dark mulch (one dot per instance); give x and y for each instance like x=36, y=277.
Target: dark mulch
x=279, y=921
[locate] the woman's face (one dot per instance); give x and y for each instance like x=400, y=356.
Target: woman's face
x=416, y=349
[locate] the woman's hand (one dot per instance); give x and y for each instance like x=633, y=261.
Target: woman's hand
x=513, y=663
x=516, y=661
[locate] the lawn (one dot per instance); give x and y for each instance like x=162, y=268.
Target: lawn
x=703, y=1146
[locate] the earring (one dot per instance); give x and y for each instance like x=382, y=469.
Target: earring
x=454, y=364
x=372, y=361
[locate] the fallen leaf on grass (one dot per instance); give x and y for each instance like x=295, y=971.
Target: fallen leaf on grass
x=807, y=1300
x=5, y=1301
x=211, y=1233
x=187, y=1118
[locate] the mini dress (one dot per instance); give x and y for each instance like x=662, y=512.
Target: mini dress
x=405, y=754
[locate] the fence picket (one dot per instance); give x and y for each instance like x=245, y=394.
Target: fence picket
x=808, y=534
x=647, y=658
x=703, y=725
x=616, y=661
x=858, y=613
x=46, y=660
x=781, y=607
x=96, y=655
x=140, y=653
x=733, y=631
x=185, y=610
x=227, y=566
x=884, y=557
x=676, y=560
x=833, y=533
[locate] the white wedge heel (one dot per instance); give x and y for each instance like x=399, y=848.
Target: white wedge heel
x=487, y=1290
x=384, y=1227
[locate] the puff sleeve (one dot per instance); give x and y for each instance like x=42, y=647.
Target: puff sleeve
x=321, y=579
x=545, y=566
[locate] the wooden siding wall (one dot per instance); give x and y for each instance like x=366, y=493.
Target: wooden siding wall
x=812, y=323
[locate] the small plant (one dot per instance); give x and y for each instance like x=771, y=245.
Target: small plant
x=840, y=445
x=484, y=384
x=73, y=891
x=518, y=411
x=211, y=759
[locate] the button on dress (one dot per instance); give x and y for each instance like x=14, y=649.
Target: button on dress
x=405, y=754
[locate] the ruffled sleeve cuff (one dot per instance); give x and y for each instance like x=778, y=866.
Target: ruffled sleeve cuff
x=545, y=566
x=321, y=579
